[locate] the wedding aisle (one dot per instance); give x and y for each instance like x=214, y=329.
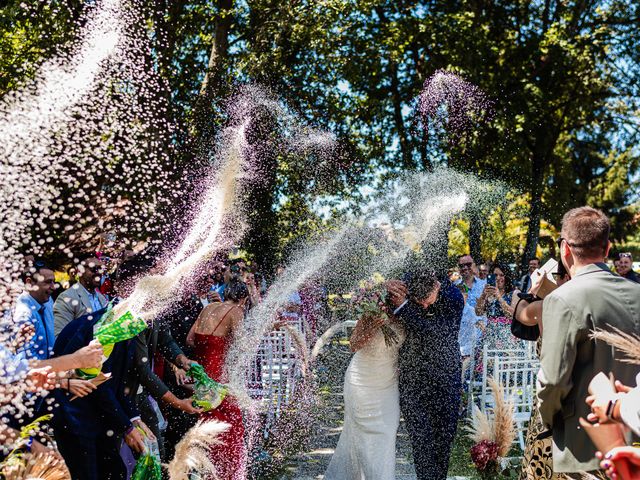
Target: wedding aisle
x=312, y=464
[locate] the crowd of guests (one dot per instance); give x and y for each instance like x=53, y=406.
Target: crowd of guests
x=489, y=308
x=500, y=313
x=143, y=394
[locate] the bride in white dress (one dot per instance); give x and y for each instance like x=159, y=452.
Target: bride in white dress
x=367, y=446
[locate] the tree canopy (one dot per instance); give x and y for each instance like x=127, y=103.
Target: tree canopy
x=562, y=78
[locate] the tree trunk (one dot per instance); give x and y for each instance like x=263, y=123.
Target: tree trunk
x=396, y=99
x=213, y=85
x=535, y=210
x=219, y=49
x=261, y=237
x=435, y=247
x=475, y=239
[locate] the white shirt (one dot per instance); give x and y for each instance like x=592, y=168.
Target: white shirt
x=395, y=312
x=469, y=332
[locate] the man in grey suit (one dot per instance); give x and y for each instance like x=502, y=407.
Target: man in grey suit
x=594, y=298
x=82, y=297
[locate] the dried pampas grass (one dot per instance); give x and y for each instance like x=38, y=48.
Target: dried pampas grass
x=627, y=343
x=40, y=466
x=589, y=476
x=192, y=452
x=301, y=346
x=499, y=427
x=325, y=338
x=503, y=424
x=480, y=428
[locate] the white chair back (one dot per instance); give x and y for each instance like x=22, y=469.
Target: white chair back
x=274, y=371
x=517, y=376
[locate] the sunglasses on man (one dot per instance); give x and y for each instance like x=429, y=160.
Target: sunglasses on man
x=465, y=265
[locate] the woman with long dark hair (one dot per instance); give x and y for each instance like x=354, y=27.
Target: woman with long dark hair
x=495, y=303
x=211, y=336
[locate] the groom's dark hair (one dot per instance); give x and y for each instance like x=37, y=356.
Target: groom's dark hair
x=420, y=284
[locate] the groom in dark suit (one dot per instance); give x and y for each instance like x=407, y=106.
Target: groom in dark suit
x=430, y=368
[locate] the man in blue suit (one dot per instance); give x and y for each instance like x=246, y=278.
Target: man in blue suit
x=89, y=430
x=429, y=367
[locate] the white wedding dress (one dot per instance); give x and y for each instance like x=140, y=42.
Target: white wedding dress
x=367, y=446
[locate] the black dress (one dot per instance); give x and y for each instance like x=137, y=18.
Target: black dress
x=180, y=319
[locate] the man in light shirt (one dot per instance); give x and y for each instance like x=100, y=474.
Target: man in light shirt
x=34, y=308
x=483, y=271
x=81, y=298
x=473, y=287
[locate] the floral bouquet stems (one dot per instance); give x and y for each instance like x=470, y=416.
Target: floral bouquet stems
x=109, y=331
x=207, y=393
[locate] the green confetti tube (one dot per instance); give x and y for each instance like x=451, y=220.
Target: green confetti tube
x=207, y=393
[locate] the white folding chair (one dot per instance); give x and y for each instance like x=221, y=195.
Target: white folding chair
x=489, y=357
x=517, y=376
x=273, y=372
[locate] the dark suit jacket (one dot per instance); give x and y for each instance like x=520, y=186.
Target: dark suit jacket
x=180, y=318
x=525, y=283
x=156, y=337
x=633, y=276
x=431, y=350
x=107, y=408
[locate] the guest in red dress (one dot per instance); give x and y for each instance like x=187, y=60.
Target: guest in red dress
x=211, y=335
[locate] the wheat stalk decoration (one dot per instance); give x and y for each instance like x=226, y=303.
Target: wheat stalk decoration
x=627, y=343
x=503, y=424
x=301, y=346
x=40, y=466
x=480, y=428
x=499, y=427
x=589, y=476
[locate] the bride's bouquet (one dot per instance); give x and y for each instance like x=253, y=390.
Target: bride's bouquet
x=371, y=302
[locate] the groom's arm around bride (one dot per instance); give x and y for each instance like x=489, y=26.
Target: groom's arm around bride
x=430, y=309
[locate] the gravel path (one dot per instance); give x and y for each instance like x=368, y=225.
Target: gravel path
x=313, y=463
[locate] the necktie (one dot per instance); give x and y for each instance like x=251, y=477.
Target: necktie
x=45, y=347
